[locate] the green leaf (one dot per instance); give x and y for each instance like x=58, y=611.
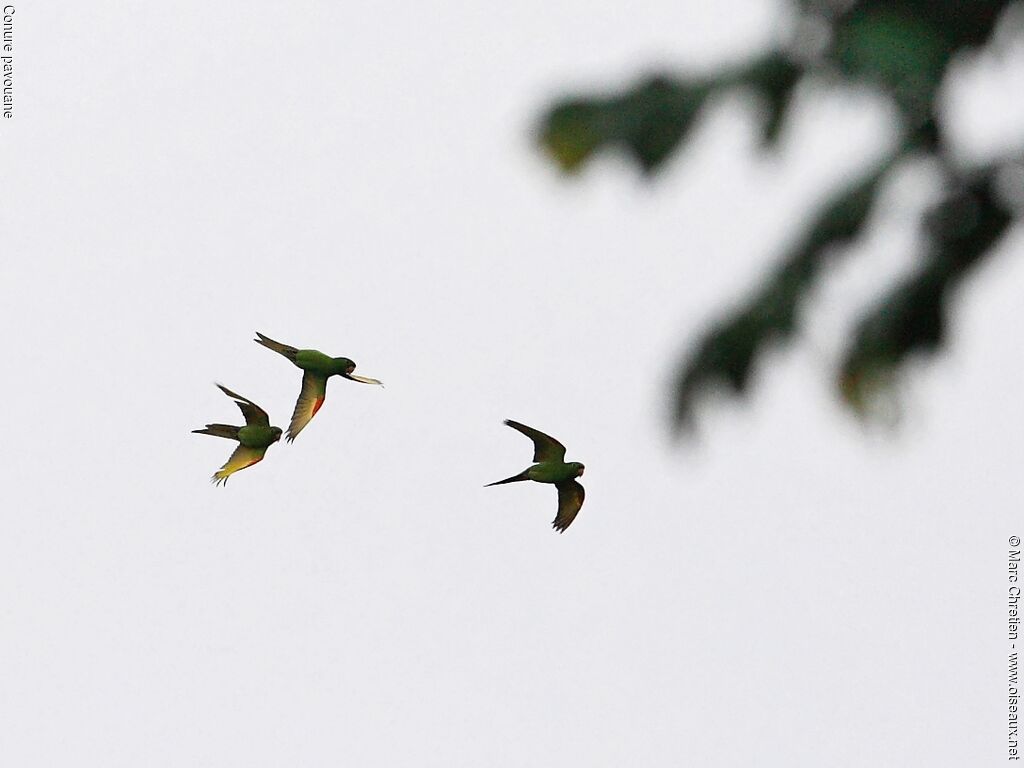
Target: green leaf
x=728, y=352
x=912, y=318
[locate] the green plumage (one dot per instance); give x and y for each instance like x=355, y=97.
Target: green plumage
x=551, y=468
x=253, y=439
x=317, y=369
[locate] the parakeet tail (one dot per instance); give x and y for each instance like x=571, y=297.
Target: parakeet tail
x=219, y=430
x=284, y=349
x=514, y=479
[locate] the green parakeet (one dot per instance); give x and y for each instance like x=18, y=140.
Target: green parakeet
x=551, y=467
x=317, y=368
x=253, y=439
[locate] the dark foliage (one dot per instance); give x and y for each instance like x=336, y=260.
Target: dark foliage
x=902, y=48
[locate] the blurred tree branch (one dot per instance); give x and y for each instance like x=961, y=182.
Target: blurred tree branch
x=900, y=48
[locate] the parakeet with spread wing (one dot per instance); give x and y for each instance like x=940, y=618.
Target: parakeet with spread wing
x=551, y=467
x=317, y=368
x=253, y=439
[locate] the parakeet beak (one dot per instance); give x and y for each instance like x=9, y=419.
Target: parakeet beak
x=362, y=379
x=580, y=473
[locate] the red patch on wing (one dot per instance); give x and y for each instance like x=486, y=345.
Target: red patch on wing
x=316, y=405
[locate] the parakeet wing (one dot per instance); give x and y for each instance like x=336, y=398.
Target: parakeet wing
x=242, y=457
x=314, y=390
x=545, y=447
x=570, y=499
x=253, y=413
x=365, y=379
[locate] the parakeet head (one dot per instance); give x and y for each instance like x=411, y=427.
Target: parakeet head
x=346, y=365
x=276, y=432
x=578, y=467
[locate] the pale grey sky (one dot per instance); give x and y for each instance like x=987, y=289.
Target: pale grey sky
x=793, y=590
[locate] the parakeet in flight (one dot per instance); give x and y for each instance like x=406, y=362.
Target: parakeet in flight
x=317, y=368
x=551, y=468
x=253, y=439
